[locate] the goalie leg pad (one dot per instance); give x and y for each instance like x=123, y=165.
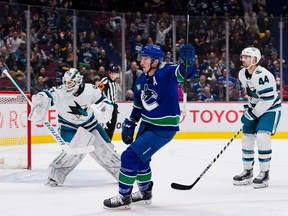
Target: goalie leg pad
x=105, y=155
x=64, y=163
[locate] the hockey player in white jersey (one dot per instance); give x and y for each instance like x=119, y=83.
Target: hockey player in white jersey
x=260, y=118
x=79, y=105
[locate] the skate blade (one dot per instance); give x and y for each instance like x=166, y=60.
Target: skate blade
x=143, y=202
x=124, y=207
x=259, y=186
x=243, y=183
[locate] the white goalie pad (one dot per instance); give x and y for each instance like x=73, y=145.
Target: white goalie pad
x=80, y=144
x=40, y=106
x=105, y=154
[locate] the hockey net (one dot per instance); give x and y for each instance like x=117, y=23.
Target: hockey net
x=15, y=136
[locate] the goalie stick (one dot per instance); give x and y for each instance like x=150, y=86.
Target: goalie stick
x=188, y=187
x=53, y=132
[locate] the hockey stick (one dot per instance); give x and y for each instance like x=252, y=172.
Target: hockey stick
x=188, y=187
x=186, y=63
x=53, y=132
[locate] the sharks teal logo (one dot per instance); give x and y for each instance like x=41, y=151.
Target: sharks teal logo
x=251, y=92
x=148, y=98
x=78, y=111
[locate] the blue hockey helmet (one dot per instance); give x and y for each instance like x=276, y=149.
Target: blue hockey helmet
x=153, y=51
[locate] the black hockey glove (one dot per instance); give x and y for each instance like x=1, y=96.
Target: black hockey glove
x=128, y=131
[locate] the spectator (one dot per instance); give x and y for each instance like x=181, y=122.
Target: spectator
x=47, y=80
x=20, y=56
x=49, y=37
x=220, y=90
x=103, y=60
x=13, y=43
x=198, y=87
x=110, y=28
x=102, y=72
x=131, y=76
x=137, y=44
x=50, y=16
x=207, y=96
x=86, y=75
x=16, y=73
x=39, y=86
x=55, y=54
x=87, y=56
x=4, y=53
x=38, y=58
x=161, y=32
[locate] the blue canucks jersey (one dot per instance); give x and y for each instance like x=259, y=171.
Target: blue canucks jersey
x=156, y=97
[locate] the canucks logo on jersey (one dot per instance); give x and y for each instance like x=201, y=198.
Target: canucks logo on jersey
x=148, y=98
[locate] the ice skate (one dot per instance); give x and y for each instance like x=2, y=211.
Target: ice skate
x=52, y=183
x=117, y=202
x=261, y=181
x=144, y=198
x=245, y=178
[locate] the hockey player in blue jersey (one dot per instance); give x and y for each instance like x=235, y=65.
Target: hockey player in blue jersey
x=260, y=119
x=156, y=104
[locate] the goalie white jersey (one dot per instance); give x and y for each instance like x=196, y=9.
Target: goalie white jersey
x=261, y=89
x=77, y=111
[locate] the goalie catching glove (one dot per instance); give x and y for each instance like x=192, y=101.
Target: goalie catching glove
x=128, y=131
x=102, y=111
x=40, y=107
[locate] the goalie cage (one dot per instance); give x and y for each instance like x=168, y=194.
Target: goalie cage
x=15, y=136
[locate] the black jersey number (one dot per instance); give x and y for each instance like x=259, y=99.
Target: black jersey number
x=263, y=81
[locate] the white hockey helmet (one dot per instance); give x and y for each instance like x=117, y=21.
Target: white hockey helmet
x=72, y=79
x=252, y=52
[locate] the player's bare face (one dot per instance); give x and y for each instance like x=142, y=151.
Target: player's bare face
x=145, y=63
x=246, y=60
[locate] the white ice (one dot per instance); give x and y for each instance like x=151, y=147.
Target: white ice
x=23, y=193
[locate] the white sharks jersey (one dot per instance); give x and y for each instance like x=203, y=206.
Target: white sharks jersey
x=261, y=89
x=74, y=109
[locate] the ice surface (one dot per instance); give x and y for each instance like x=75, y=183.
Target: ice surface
x=23, y=193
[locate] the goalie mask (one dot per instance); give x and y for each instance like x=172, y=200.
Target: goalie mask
x=71, y=80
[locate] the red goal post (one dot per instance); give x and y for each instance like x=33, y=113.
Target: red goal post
x=15, y=131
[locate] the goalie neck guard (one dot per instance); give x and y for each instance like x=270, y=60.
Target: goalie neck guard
x=71, y=80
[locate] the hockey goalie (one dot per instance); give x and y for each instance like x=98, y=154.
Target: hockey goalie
x=81, y=107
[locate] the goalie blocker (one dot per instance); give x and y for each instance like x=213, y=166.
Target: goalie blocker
x=104, y=154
